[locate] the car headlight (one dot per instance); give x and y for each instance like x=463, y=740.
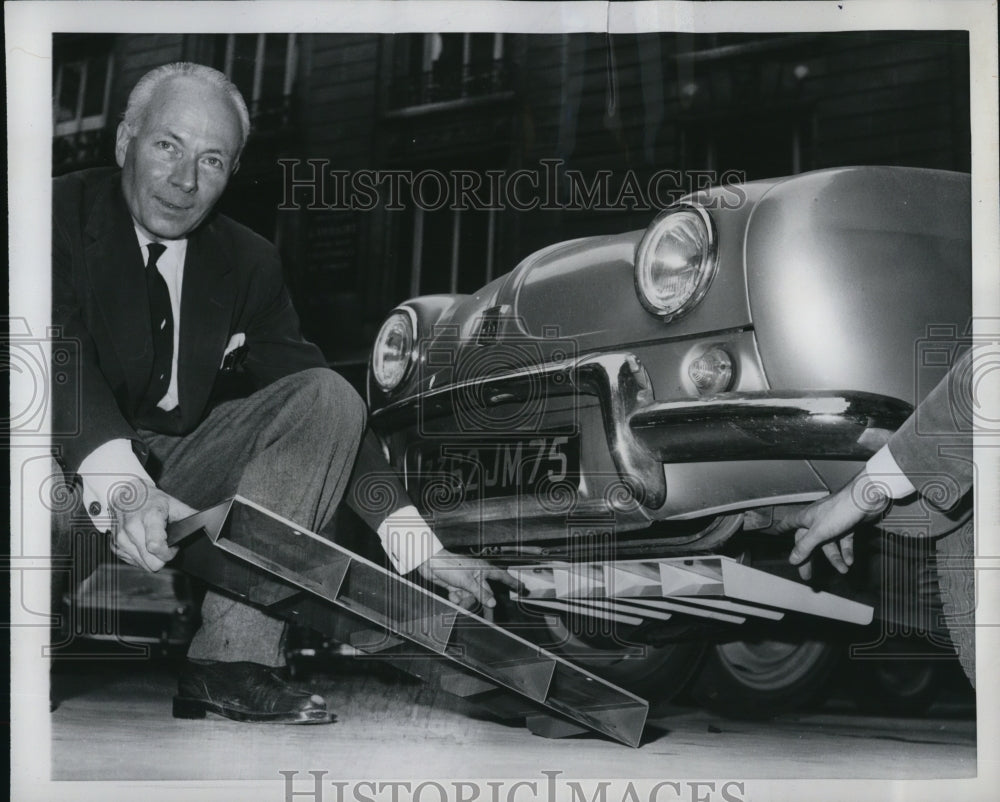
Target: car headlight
x=675, y=261
x=392, y=354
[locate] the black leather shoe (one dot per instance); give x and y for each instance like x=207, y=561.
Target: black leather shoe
x=245, y=692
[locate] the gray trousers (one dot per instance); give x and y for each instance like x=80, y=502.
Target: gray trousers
x=290, y=447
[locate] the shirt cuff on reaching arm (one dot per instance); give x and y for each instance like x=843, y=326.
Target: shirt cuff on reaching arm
x=407, y=539
x=103, y=472
x=882, y=469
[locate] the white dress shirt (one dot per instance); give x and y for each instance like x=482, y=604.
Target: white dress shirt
x=171, y=267
x=883, y=469
x=407, y=539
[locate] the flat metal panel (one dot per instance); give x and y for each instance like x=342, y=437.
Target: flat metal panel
x=680, y=585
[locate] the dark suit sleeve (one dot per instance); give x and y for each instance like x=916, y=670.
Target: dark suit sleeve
x=85, y=412
x=933, y=447
x=275, y=346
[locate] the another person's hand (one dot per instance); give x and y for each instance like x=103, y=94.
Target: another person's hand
x=142, y=512
x=465, y=578
x=830, y=523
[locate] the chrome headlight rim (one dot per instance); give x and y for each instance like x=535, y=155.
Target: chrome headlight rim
x=709, y=263
x=411, y=357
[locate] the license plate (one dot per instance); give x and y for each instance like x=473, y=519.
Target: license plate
x=496, y=469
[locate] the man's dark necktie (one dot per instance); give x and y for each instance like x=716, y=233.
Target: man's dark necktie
x=161, y=317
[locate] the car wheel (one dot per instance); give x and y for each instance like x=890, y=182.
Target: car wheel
x=956, y=580
x=762, y=678
x=900, y=687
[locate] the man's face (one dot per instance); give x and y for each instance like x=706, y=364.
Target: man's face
x=177, y=161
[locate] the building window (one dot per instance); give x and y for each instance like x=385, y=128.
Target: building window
x=452, y=250
x=80, y=94
x=82, y=76
x=744, y=103
x=766, y=146
x=262, y=65
x=439, y=67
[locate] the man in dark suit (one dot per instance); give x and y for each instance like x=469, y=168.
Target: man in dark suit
x=166, y=298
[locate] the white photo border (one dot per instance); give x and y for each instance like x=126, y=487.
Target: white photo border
x=28, y=39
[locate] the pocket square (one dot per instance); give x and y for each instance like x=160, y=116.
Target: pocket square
x=233, y=350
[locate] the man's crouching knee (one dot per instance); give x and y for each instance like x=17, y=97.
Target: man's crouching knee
x=328, y=395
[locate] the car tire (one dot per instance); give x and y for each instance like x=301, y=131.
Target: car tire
x=956, y=580
x=763, y=678
x=899, y=687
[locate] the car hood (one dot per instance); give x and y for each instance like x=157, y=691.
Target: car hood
x=575, y=297
x=584, y=289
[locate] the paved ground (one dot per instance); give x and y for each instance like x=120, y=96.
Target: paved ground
x=116, y=724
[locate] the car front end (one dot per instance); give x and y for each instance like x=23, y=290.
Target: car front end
x=747, y=351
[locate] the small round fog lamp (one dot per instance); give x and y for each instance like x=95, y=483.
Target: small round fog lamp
x=712, y=372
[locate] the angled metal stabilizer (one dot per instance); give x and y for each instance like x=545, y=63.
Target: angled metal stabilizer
x=253, y=553
x=710, y=587
x=208, y=522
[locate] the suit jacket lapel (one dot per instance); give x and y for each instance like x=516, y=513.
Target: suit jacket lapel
x=115, y=263
x=207, y=298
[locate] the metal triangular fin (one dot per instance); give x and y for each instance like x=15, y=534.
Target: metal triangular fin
x=531, y=677
x=578, y=580
x=624, y=721
x=210, y=521
x=631, y=579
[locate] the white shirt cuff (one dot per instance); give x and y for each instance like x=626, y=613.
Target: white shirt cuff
x=407, y=539
x=882, y=469
x=104, y=471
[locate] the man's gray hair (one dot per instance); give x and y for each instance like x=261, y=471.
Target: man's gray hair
x=140, y=96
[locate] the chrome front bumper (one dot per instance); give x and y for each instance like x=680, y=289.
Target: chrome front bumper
x=643, y=433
